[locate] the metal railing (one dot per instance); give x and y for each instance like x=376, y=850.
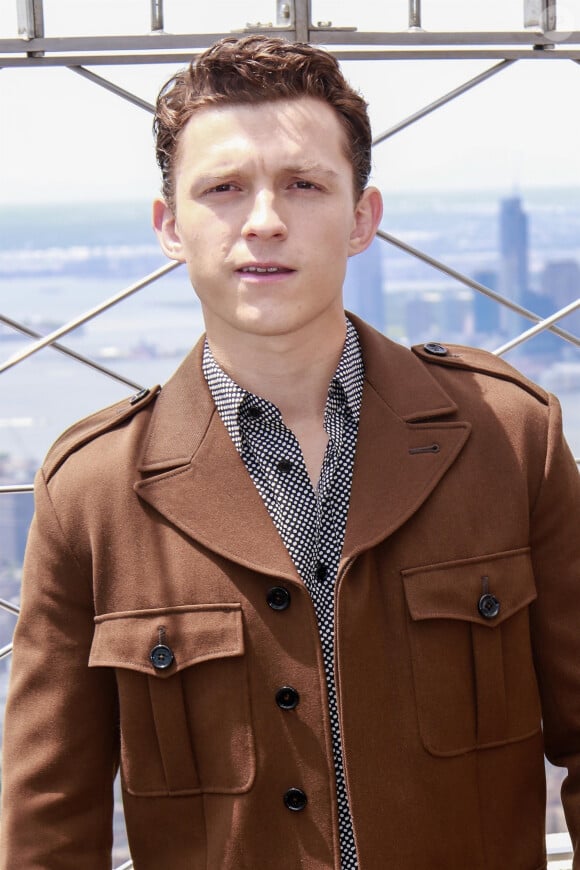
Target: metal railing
x=539, y=39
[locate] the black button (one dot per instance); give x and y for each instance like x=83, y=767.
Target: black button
x=488, y=606
x=435, y=348
x=321, y=572
x=161, y=657
x=295, y=799
x=285, y=466
x=254, y=412
x=287, y=698
x=278, y=598
x=138, y=396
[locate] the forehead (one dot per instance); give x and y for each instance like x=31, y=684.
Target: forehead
x=277, y=131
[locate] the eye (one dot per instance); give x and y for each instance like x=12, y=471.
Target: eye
x=302, y=184
x=224, y=187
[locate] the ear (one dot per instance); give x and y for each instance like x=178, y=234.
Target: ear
x=165, y=227
x=367, y=216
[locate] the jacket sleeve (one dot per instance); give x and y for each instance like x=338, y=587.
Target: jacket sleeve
x=555, y=540
x=61, y=732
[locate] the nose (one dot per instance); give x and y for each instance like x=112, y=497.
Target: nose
x=264, y=220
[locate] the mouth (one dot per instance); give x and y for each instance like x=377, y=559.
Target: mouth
x=264, y=269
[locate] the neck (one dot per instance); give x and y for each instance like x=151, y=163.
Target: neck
x=291, y=371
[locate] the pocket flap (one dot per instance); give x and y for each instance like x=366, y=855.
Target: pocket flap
x=193, y=634
x=452, y=590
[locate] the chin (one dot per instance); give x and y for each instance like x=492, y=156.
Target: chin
x=269, y=328
x=274, y=322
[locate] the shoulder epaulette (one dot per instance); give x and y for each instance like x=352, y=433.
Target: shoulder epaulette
x=457, y=356
x=96, y=424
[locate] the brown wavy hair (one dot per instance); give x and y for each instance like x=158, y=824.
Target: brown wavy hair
x=259, y=69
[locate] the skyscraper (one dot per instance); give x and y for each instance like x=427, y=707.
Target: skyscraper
x=513, y=266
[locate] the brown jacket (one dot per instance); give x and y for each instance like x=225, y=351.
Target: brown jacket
x=149, y=532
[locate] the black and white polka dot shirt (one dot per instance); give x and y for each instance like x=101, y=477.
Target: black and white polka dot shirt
x=311, y=522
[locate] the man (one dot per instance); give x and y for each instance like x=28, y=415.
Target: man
x=319, y=593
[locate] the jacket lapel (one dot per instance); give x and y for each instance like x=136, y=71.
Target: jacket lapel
x=405, y=443
x=193, y=476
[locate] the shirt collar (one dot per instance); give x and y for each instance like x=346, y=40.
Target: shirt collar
x=350, y=371
x=345, y=389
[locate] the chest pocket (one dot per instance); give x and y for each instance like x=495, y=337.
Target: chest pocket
x=184, y=698
x=470, y=643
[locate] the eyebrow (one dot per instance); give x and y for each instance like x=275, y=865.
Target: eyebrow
x=291, y=169
x=307, y=168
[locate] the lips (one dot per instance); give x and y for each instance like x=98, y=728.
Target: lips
x=264, y=269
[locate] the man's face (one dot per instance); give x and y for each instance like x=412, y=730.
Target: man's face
x=265, y=216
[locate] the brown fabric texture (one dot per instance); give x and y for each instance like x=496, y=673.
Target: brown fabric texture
x=149, y=531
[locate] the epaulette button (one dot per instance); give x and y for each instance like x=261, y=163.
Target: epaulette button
x=138, y=396
x=435, y=348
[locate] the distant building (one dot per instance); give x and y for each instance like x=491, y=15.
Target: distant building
x=16, y=511
x=363, y=286
x=546, y=344
x=560, y=282
x=513, y=264
x=486, y=312
x=456, y=320
x=422, y=318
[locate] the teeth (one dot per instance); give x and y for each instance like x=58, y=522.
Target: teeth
x=260, y=270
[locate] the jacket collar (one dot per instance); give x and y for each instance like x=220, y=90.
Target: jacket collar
x=192, y=474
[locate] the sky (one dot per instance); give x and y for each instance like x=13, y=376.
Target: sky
x=63, y=139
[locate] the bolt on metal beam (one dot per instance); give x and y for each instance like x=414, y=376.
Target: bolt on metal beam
x=88, y=315
x=284, y=14
x=113, y=88
x=542, y=326
x=446, y=98
x=475, y=285
x=32, y=333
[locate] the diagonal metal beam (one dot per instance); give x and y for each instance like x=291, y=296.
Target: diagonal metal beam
x=5, y=651
x=88, y=315
x=475, y=285
x=446, y=98
x=17, y=487
x=11, y=608
x=32, y=333
x=113, y=88
x=542, y=326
